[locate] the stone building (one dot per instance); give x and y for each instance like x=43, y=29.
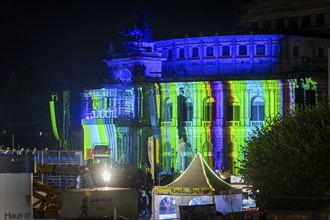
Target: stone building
x=164, y=101
x=287, y=16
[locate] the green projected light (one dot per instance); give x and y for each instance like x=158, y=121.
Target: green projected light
x=100, y=135
x=211, y=117
x=217, y=119
x=53, y=119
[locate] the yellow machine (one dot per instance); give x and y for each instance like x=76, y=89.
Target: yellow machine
x=101, y=201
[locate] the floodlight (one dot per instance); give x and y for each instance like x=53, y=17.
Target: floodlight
x=106, y=176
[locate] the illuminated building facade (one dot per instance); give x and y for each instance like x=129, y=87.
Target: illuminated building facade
x=165, y=101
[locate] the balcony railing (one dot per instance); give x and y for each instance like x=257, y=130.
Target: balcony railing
x=165, y=123
x=232, y=123
x=256, y=123
x=207, y=123
x=186, y=124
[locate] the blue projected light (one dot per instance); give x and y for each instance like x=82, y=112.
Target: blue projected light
x=220, y=55
x=203, y=94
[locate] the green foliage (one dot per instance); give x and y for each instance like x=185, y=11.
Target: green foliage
x=290, y=156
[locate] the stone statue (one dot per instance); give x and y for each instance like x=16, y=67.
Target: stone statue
x=141, y=31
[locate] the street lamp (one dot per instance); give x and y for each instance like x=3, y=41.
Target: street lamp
x=106, y=177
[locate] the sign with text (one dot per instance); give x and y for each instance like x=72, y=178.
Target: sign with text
x=15, y=199
x=182, y=191
x=101, y=202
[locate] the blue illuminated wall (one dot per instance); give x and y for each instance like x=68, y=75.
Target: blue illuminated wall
x=100, y=107
x=203, y=94
x=238, y=56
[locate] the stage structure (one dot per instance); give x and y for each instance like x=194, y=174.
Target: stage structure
x=165, y=101
x=61, y=91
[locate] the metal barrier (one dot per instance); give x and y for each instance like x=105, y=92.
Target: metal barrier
x=67, y=159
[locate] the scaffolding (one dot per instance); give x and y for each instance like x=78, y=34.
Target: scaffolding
x=66, y=140
x=68, y=160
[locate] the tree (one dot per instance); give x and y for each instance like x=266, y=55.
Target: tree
x=290, y=156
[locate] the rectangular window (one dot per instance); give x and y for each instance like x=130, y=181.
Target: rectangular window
x=320, y=53
x=279, y=24
x=295, y=51
x=319, y=20
x=233, y=113
x=225, y=51
x=230, y=116
x=170, y=55
x=254, y=112
x=260, y=49
x=293, y=24
x=195, y=52
x=209, y=51
x=254, y=25
x=209, y=112
x=267, y=25
x=258, y=113
x=242, y=50
x=181, y=53
x=306, y=21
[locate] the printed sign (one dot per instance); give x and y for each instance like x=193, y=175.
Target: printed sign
x=15, y=199
x=182, y=191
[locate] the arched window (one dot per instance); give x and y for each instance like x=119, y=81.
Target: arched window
x=167, y=163
x=209, y=109
x=168, y=208
x=188, y=114
x=257, y=109
x=181, y=109
x=233, y=110
x=168, y=110
x=187, y=155
x=185, y=110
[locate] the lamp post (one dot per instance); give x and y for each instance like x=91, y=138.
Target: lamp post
x=145, y=175
x=13, y=141
x=106, y=178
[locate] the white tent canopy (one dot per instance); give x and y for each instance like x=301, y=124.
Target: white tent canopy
x=200, y=175
x=198, y=184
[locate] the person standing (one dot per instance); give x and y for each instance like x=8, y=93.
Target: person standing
x=144, y=202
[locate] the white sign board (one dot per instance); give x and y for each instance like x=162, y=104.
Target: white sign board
x=99, y=203
x=15, y=199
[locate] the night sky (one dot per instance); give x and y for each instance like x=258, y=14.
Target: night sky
x=44, y=41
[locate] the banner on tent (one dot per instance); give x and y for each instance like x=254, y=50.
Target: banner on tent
x=182, y=191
